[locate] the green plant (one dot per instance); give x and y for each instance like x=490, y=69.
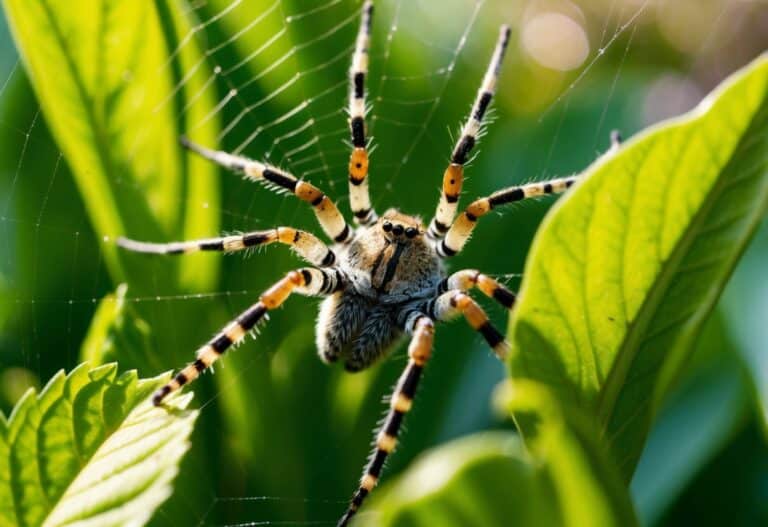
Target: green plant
x=90, y=449
x=621, y=276
x=620, y=279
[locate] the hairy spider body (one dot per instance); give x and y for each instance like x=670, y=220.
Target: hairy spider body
x=389, y=268
x=380, y=280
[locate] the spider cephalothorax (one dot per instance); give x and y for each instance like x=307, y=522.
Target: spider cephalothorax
x=380, y=280
x=389, y=265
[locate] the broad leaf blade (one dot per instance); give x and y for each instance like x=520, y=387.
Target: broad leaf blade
x=90, y=450
x=485, y=479
x=562, y=478
x=102, y=74
x=625, y=269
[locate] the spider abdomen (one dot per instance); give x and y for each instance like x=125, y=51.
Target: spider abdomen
x=352, y=328
x=389, y=268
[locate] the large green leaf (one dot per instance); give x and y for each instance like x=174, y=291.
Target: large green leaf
x=562, y=478
x=90, y=450
x=102, y=74
x=624, y=271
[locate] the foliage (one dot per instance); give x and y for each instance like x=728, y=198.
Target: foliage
x=625, y=271
x=98, y=112
x=620, y=278
x=562, y=477
x=116, y=88
x=90, y=449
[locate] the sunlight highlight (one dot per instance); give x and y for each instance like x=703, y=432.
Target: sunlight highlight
x=555, y=41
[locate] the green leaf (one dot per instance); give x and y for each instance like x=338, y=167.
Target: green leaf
x=624, y=270
x=90, y=449
x=693, y=426
x=102, y=74
x=489, y=479
x=118, y=333
x=746, y=301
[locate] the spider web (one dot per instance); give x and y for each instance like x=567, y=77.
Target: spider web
x=277, y=73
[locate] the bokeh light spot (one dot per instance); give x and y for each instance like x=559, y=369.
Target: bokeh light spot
x=555, y=41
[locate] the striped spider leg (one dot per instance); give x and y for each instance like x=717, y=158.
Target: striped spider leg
x=303, y=243
x=451, y=300
x=453, y=176
x=306, y=281
x=461, y=229
x=422, y=330
x=359, y=198
x=332, y=222
x=383, y=278
x=454, y=291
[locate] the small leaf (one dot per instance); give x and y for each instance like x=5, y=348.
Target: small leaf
x=90, y=450
x=491, y=479
x=118, y=333
x=624, y=270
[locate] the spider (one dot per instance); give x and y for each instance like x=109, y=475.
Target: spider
x=381, y=279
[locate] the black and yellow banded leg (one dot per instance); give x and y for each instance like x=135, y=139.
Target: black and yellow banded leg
x=305, y=244
x=462, y=227
x=454, y=302
x=422, y=330
x=306, y=281
x=359, y=197
x=454, y=174
x=467, y=279
x=325, y=209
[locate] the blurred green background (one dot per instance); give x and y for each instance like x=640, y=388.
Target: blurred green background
x=281, y=436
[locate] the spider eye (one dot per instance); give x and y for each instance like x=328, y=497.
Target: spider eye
x=411, y=232
x=397, y=230
x=386, y=226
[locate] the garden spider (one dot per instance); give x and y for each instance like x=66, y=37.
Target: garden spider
x=380, y=279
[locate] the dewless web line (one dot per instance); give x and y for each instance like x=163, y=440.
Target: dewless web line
x=387, y=54
x=607, y=22
x=10, y=75
x=316, y=139
x=423, y=128
x=617, y=74
x=295, y=49
x=601, y=51
x=595, y=58
x=199, y=27
x=310, y=12
x=233, y=92
x=139, y=299
x=311, y=122
x=15, y=179
x=303, y=105
x=207, y=52
x=11, y=191
x=612, y=90
x=36, y=252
